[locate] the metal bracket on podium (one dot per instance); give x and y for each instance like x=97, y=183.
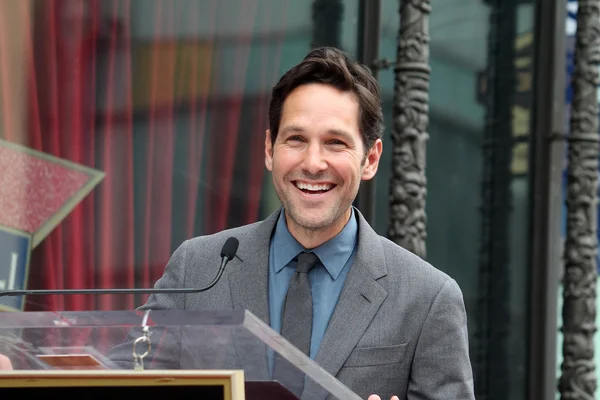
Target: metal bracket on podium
x=138, y=357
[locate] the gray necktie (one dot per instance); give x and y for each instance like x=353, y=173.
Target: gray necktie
x=296, y=324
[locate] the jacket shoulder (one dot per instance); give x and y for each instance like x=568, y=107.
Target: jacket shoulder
x=412, y=269
x=219, y=238
x=194, y=255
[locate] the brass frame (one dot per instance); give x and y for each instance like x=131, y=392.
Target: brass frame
x=231, y=380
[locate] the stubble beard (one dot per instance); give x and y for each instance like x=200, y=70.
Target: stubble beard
x=326, y=219
x=295, y=212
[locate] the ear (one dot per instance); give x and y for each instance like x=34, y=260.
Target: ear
x=268, y=151
x=372, y=160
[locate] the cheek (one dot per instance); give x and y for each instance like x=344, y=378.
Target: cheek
x=283, y=162
x=351, y=167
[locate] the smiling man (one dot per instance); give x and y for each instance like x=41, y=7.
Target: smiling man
x=377, y=317
x=381, y=320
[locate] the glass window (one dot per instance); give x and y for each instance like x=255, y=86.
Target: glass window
x=128, y=126
x=477, y=173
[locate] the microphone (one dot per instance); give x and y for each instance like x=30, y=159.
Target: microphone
x=227, y=254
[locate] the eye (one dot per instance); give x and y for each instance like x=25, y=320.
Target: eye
x=336, y=142
x=295, y=138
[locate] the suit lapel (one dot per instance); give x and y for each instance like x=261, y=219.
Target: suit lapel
x=359, y=301
x=248, y=281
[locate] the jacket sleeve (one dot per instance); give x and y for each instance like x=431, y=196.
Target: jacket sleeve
x=173, y=277
x=441, y=367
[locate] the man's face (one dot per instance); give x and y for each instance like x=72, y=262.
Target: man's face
x=318, y=158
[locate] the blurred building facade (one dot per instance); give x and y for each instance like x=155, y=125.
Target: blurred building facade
x=168, y=100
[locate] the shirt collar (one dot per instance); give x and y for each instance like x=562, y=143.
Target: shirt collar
x=334, y=253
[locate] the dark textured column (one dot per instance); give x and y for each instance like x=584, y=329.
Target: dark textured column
x=407, y=188
x=578, y=379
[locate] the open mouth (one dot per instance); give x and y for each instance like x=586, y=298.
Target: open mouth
x=314, y=189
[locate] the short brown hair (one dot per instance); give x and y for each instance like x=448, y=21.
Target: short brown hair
x=331, y=66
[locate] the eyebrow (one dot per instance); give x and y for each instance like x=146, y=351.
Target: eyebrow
x=336, y=132
x=291, y=128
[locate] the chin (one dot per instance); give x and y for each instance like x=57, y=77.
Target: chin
x=314, y=223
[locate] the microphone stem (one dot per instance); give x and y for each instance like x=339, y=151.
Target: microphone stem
x=119, y=291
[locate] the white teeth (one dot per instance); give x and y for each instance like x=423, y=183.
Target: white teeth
x=313, y=188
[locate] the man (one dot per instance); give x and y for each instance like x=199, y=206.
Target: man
x=384, y=321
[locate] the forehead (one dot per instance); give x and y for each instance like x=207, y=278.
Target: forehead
x=319, y=105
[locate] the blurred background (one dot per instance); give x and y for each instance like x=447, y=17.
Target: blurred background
x=128, y=126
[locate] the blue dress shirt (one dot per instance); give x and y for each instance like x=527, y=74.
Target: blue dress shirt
x=326, y=279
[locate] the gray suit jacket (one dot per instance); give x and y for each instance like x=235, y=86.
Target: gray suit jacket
x=399, y=327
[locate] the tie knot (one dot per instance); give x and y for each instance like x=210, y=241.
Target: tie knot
x=306, y=261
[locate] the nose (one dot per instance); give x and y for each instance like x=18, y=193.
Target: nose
x=314, y=160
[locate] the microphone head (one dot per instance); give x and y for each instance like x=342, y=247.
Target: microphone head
x=230, y=248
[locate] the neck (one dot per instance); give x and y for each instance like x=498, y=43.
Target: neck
x=311, y=238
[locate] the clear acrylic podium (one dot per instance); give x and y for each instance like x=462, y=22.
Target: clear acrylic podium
x=163, y=347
